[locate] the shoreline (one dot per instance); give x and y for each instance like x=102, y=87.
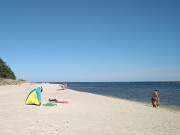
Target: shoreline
x=176, y=108
x=86, y=113
x=140, y=92
x=139, y=102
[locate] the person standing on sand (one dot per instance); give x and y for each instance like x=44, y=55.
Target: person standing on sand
x=65, y=85
x=155, y=98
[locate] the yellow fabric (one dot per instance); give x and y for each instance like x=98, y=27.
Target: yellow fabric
x=32, y=99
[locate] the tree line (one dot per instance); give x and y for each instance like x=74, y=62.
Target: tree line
x=5, y=71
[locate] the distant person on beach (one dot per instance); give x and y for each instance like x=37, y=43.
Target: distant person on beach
x=65, y=85
x=62, y=87
x=155, y=98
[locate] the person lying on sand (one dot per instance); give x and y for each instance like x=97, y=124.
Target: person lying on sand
x=52, y=100
x=56, y=101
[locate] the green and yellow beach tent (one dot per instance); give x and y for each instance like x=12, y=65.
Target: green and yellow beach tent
x=34, y=97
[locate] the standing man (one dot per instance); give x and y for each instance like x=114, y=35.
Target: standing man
x=155, y=98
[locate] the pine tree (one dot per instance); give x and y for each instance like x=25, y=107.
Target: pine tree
x=5, y=71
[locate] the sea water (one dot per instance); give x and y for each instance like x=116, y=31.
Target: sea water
x=169, y=92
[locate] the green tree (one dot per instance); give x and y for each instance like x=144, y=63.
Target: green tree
x=5, y=71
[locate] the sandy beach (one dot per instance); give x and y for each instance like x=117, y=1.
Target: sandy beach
x=85, y=114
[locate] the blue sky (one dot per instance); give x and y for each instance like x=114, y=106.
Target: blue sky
x=91, y=40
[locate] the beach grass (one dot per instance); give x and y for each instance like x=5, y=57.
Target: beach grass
x=11, y=81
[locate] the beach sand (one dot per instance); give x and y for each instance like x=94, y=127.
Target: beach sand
x=85, y=114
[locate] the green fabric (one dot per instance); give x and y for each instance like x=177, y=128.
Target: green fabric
x=49, y=104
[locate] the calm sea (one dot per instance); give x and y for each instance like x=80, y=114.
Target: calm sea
x=169, y=92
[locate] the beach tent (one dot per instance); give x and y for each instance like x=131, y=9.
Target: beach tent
x=34, y=97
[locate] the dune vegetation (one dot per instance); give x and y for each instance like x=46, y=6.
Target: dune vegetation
x=7, y=76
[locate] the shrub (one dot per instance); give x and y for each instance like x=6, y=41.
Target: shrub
x=5, y=71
